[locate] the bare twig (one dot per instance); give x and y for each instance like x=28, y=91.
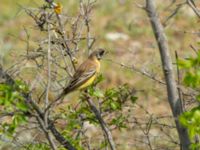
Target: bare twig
x=135, y=69
x=179, y=82
x=65, y=40
x=194, y=8
x=49, y=67
x=194, y=49
x=179, y=6
x=85, y=13
x=48, y=136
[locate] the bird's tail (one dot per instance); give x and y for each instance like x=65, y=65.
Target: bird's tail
x=63, y=94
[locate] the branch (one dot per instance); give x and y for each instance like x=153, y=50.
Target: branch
x=167, y=66
x=10, y=81
x=193, y=6
x=179, y=6
x=102, y=123
x=139, y=71
x=48, y=136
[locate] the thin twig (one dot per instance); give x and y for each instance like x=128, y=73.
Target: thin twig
x=48, y=67
x=133, y=68
x=179, y=82
x=194, y=8
x=48, y=136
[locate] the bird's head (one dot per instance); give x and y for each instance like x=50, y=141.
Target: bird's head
x=98, y=53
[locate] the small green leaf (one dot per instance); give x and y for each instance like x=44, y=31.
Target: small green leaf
x=98, y=93
x=198, y=97
x=99, y=79
x=113, y=105
x=185, y=63
x=133, y=99
x=22, y=106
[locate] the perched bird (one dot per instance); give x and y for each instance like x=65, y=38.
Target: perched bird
x=86, y=73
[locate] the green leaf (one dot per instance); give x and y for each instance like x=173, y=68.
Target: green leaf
x=111, y=93
x=119, y=121
x=185, y=63
x=22, y=106
x=198, y=97
x=98, y=93
x=114, y=105
x=133, y=99
x=190, y=79
x=19, y=119
x=2, y=100
x=21, y=86
x=99, y=79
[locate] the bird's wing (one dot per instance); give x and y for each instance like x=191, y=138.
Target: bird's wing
x=83, y=74
x=76, y=82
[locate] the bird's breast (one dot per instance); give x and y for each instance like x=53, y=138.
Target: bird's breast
x=97, y=66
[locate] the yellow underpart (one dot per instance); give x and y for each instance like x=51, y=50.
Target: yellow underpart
x=87, y=83
x=98, y=65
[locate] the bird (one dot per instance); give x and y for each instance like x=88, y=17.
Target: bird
x=86, y=73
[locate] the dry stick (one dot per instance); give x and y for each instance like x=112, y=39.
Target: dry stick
x=48, y=136
x=102, y=123
x=192, y=5
x=65, y=40
x=172, y=92
x=133, y=68
x=180, y=94
x=46, y=114
x=194, y=49
x=86, y=19
x=48, y=67
x=147, y=133
x=178, y=8
x=49, y=76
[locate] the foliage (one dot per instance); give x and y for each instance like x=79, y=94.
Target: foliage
x=110, y=101
x=13, y=104
x=192, y=77
x=191, y=118
x=36, y=146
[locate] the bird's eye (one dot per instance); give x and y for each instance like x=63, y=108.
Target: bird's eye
x=101, y=52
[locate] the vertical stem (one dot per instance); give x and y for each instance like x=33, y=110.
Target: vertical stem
x=46, y=132
x=102, y=123
x=48, y=76
x=65, y=40
x=167, y=66
x=48, y=67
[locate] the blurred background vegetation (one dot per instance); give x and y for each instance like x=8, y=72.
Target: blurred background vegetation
x=120, y=27
x=124, y=30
